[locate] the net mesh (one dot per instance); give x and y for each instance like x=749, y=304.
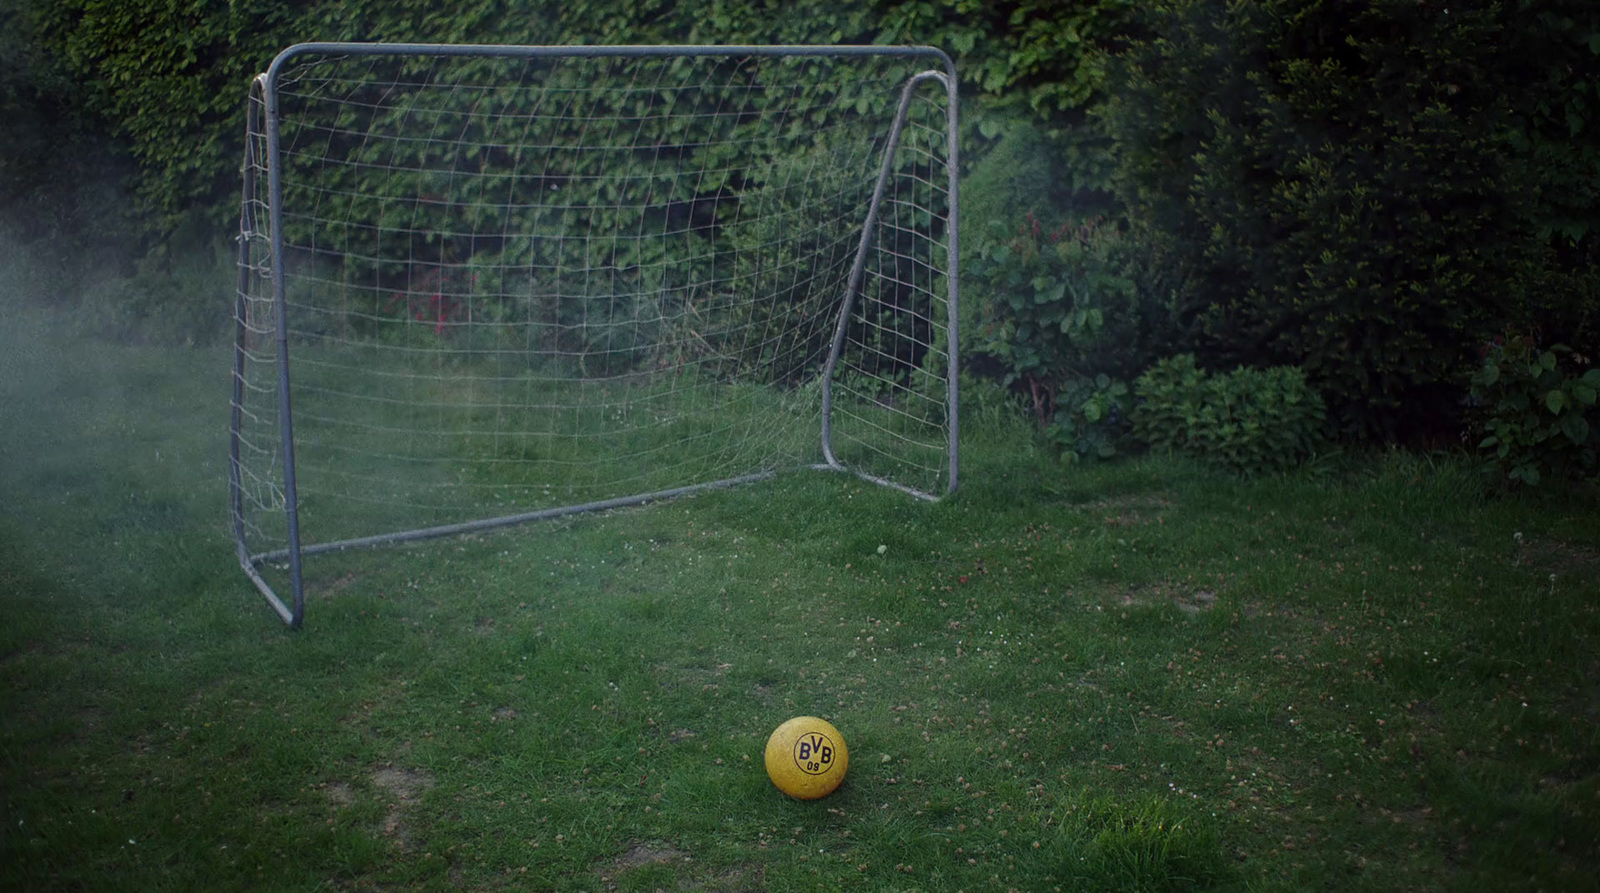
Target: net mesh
x=519, y=283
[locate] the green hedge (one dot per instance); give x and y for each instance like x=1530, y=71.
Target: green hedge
x=167, y=81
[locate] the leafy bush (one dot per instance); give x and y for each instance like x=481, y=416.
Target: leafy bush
x=1069, y=315
x=161, y=86
x=1047, y=311
x=1541, y=416
x=1017, y=174
x=1169, y=395
x=735, y=251
x=1055, y=296
x=1091, y=419
x=1247, y=420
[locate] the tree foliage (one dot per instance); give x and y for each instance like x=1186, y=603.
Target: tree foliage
x=167, y=78
x=601, y=195
x=1341, y=181
x=58, y=176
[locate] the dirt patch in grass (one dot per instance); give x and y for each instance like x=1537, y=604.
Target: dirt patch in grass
x=325, y=586
x=1190, y=601
x=639, y=856
x=1562, y=559
x=1195, y=601
x=340, y=795
x=649, y=854
x=405, y=786
x=1130, y=511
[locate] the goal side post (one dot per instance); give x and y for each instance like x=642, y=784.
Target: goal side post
x=251, y=331
x=945, y=79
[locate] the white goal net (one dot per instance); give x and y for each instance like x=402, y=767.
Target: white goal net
x=481, y=285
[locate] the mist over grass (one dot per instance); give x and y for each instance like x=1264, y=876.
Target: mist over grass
x=28, y=276
x=104, y=285
x=109, y=449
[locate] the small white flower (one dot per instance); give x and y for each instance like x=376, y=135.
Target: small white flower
x=882, y=549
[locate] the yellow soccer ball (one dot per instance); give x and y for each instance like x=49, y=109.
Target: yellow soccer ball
x=807, y=757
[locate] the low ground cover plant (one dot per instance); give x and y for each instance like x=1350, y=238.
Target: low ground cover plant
x=1247, y=421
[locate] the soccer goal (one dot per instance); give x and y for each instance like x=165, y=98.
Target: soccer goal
x=485, y=285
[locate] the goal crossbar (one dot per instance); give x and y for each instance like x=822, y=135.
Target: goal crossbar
x=263, y=473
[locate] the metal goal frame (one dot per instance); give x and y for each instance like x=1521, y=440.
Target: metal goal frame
x=264, y=94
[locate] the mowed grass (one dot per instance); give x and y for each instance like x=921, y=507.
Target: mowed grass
x=389, y=441
x=1133, y=676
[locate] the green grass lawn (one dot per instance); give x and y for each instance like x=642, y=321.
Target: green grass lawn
x=1133, y=676
x=394, y=440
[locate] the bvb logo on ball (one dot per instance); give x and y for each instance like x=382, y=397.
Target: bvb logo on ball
x=807, y=758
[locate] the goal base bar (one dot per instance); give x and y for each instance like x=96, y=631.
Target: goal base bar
x=923, y=495
x=292, y=618
x=443, y=530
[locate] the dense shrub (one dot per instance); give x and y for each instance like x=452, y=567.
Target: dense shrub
x=164, y=83
x=1247, y=421
x=1366, y=191
x=1540, y=418
x=1352, y=188
x=62, y=216
x=1018, y=175
x=171, y=297
x=1048, y=305
x=1025, y=172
